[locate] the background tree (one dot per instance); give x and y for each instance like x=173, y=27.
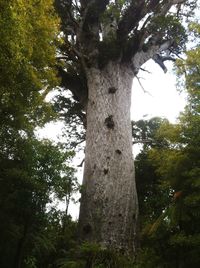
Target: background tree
x=27, y=51
x=105, y=45
x=171, y=239
x=149, y=184
x=32, y=172
x=29, y=182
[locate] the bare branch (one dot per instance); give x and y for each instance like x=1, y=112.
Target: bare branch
x=159, y=59
x=144, y=70
x=82, y=162
x=142, y=141
x=145, y=91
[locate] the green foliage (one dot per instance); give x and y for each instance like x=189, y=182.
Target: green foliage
x=27, y=181
x=170, y=26
x=28, y=30
x=167, y=172
x=94, y=256
x=150, y=186
x=144, y=131
x=32, y=172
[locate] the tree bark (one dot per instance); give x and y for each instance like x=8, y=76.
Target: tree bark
x=109, y=207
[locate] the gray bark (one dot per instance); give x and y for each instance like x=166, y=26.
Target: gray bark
x=109, y=207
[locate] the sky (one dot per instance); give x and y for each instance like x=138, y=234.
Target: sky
x=157, y=96
x=161, y=97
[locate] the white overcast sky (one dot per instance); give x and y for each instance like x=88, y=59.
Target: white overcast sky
x=162, y=100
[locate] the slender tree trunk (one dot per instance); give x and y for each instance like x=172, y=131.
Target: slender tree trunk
x=109, y=206
x=20, y=248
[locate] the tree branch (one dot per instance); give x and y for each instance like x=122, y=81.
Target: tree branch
x=145, y=91
x=144, y=36
x=144, y=70
x=142, y=141
x=82, y=162
x=153, y=49
x=159, y=59
x=92, y=10
x=76, y=84
x=133, y=14
x=89, y=26
x=137, y=10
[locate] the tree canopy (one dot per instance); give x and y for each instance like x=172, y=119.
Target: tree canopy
x=29, y=30
x=129, y=32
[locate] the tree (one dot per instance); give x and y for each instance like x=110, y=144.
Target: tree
x=149, y=183
x=29, y=182
x=170, y=236
x=167, y=173
x=106, y=43
x=178, y=168
x=180, y=165
x=30, y=170
x=154, y=195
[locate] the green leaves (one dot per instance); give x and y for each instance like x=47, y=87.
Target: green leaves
x=32, y=172
x=168, y=174
x=170, y=28
x=92, y=255
x=28, y=30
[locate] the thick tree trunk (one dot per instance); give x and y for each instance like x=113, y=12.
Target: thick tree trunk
x=109, y=206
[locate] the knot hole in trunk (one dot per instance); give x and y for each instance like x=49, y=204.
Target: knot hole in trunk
x=109, y=122
x=105, y=171
x=112, y=90
x=118, y=151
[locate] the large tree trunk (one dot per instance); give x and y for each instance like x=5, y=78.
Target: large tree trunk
x=109, y=206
